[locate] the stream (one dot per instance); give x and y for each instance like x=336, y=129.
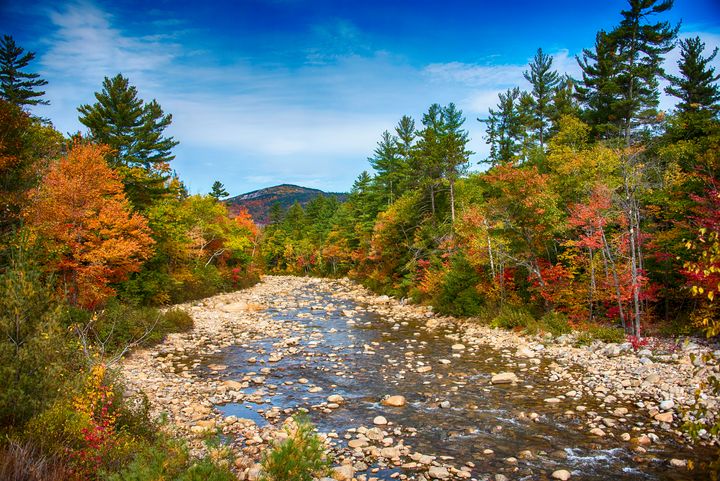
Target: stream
x=345, y=348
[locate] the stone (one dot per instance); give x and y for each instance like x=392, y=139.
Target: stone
x=552, y=400
x=254, y=473
x=561, y=474
x=380, y=421
x=504, y=378
x=357, y=443
x=234, y=385
x=597, y=432
x=458, y=347
x=667, y=405
x=438, y=472
x=678, y=463
x=664, y=417
x=394, y=401
x=525, y=352
x=217, y=367
x=343, y=473
x=335, y=398
x=423, y=369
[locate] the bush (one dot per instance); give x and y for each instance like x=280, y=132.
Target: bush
x=601, y=333
x=169, y=459
x=300, y=457
x=36, y=355
x=555, y=323
x=458, y=295
x=513, y=317
x=120, y=325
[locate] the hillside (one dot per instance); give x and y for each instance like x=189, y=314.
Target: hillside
x=259, y=202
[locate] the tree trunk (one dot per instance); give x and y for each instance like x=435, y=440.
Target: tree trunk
x=452, y=201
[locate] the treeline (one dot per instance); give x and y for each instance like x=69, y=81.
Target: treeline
x=96, y=230
x=595, y=207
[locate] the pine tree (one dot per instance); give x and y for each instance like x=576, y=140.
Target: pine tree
x=406, y=135
x=696, y=87
x=218, y=190
x=428, y=161
x=454, y=152
x=134, y=130
x=505, y=131
x=640, y=49
x=386, y=162
x=16, y=86
x=544, y=82
x=599, y=90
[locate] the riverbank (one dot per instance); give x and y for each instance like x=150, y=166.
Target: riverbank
x=610, y=395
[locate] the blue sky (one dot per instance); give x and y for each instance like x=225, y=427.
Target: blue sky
x=287, y=91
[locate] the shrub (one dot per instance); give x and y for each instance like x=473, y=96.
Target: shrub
x=555, y=323
x=36, y=355
x=300, y=457
x=458, y=295
x=513, y=317
x=608, y=334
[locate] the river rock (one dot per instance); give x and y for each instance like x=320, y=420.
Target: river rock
x=335, y=398
x=664, y=417
x=343, y=473
x=394, y=401
x=458, y=347
x=380, y=421
x=438, y=472
x=504, y=378
x=667, y=405
x=525, y=352
x=561, y=474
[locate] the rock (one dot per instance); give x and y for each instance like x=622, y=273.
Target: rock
x=438, y=472
x=343, y=473
x=678, y=463
x=423, y=369
x=217, y=367
x=335, y=398
x=664, y=417
x=504, y=378
x=380, y=421
x=357, y=443
x=561, y=474
x=667, y=405
x=234, y=385
x=445, y=404
x=552, y=400
x=458, y=347
x=254, y=473
x=394, y=401
x=525, y=352
x=597, y=432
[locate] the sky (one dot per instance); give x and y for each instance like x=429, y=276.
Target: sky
x=264, y=92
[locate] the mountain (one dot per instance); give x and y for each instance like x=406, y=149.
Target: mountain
x=259, y=202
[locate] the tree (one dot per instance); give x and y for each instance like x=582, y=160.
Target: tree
x=599, y=91
x=544, y=83
x=386, y=162
x=26, y=146
x=640, y=49
x=218, y=190
x=133, y=130
x=505, y=131
x=455, y=156
x=81, y=217
x=696, y=88
x=16, y=86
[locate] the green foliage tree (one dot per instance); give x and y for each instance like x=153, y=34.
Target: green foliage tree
x=544, y=83
x=300, y=457
x=134, y=130
x=697, y=89
x=16, y=86
x=504, y=131
x=218, y=190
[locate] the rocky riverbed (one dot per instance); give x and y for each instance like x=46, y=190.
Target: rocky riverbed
x=400, y=393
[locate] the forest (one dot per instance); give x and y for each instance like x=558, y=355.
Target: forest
x=594, y=211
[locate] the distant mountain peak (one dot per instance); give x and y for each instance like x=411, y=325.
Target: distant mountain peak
x=259, y=202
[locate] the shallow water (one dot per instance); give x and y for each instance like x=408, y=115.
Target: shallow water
x=480, y=415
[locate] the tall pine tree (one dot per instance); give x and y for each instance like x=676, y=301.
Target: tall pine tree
x=544, y=82
x=16, y=86
x=134, y=130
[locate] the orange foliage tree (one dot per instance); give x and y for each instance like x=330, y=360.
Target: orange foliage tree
x=81, y=217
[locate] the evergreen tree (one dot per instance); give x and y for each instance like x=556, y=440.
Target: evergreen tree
x=387, y=163
x=505, y=131
x=454, y=153
x=134, y=130
x=218, y=190
x=406, y=135
x=641, y=46
x=563, y=104
x=428, y=161
x=16, y=86
x=544, y=82
x=696, y=87
x=599, y=91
